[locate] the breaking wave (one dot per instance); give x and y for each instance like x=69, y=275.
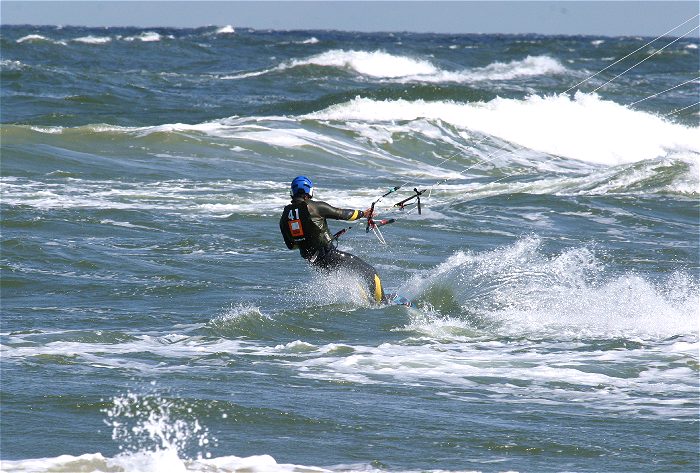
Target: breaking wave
x=380, y=65
x=520, y=291
x=586, y=128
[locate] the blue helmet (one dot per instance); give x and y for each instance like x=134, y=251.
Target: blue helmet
x=303, y=185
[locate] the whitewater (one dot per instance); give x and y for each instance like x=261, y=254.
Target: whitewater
x=153, y=320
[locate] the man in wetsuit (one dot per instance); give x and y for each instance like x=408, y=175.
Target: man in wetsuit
x=304, y=226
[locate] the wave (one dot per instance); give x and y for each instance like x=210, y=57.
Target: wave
x=146, y=37
x=93, y=39
x=243, y=320
x=10, y=65
x=373, y=64
x=91, y=352
x=673, y=175
x=619, y=377
x=593, y=146
x=164, y=461
x=519, y=291
x=156, y=431
x=37, y=38
x=586, y=128
x=396, y=68
x=528, y=67
x=163, y=195
x=228, y=29
x=157, y=434
x=266, y=197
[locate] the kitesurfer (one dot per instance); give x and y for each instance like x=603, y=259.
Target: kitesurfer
x=304, y=227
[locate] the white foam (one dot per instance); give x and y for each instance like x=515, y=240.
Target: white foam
x=164, y=461
x=93, y=39
x=237, y=313
x=51, y=130
x=631, y=179
x=296, y=346
x=554, y=372
x=93, y=461
x=520, y=317
x=11, y=65
x=381, y=65
x=284, y=138
x=256, y=464
x=528, y=67
x=32, y=37
x=172, y=346
x=585, y=128
x=627, y=306
x=204, y=200
x=228, y=29
x=37, y=38
x=566, y=296
x=146, y=37
x=373, y=64
x=246, y=75
x=156, y=461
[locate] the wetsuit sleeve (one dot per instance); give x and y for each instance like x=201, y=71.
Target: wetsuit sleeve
x=328, y=211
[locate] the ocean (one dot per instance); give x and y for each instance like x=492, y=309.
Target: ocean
x=153, y=319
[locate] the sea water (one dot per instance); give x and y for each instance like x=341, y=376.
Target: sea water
x=153, y=320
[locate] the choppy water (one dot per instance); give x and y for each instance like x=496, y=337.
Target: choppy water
x=152, y=318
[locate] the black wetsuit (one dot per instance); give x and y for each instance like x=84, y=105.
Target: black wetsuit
x=303, y=225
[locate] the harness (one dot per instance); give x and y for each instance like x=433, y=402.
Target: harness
x=300, y=231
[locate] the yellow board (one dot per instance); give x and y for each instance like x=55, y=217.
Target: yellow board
x=377, y=289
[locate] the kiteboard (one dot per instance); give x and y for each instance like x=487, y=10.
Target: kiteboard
x=398, y=299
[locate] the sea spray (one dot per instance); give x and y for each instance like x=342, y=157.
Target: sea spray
x=156, y=433
x=520, y=290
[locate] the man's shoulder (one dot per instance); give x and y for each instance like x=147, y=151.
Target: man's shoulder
x=319, y=204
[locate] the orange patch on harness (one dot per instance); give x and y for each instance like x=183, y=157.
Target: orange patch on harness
x=296, y=229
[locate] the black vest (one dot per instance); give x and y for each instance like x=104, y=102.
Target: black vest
x=300, y=231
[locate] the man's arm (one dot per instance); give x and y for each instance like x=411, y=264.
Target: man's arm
x=328, y=211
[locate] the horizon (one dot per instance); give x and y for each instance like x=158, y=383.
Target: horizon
x=249, y=29
x=546, y=18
